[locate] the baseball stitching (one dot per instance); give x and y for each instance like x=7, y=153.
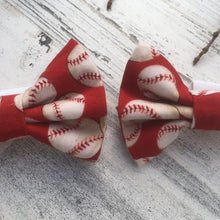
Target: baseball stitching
x=140, y=108
x=168, y=129
x=60, y=131
x=78, y=100
x=79, y=59
x=156, y=79
x=90, y=76
x=37, y=87
x=84, y=144
x=134, y=134
x=57, y=110
x=153, y=52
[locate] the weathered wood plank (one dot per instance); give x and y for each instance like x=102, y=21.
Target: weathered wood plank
x=178, y=29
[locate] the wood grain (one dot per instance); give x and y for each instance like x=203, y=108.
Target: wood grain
x=38, y=182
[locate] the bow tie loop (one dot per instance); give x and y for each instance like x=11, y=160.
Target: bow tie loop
x=155, y=105
x=66, y=107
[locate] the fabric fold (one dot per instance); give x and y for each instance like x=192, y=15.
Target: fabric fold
x=65, y=108
x=155, y=105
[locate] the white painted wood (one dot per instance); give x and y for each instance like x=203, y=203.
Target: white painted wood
x=38, y=182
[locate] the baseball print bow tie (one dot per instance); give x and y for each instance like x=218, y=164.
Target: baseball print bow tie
x=66, y=108
x=154, y=105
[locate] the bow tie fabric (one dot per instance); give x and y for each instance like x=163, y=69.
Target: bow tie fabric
x=154, y=105
x=66, y=108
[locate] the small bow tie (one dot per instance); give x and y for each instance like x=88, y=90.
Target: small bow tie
x=154, y=105
x=66, y=108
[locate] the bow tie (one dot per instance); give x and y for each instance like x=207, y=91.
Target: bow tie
x=154, y=105
x=66, y=108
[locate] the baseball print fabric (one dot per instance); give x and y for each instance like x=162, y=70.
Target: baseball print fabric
x=66, y=108
x=154, y=105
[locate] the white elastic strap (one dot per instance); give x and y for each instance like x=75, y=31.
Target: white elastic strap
x=12, y=91
x=202, y=85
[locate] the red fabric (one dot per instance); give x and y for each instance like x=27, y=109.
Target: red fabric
x=36, y=114
x=12, y=123
x=67, y=107
x=207, y=111
x=95, y=100
x=143, y=143
x=65, y=83
x=39, y=131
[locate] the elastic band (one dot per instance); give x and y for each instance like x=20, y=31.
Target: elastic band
x=202, y=85
x=12, y=91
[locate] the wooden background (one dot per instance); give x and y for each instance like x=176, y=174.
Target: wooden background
x=38, y=182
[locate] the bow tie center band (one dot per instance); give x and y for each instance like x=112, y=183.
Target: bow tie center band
x=154, y=105
x=66, y=108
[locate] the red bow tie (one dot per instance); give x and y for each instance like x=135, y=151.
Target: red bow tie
x=65, y=109
x=154, y=105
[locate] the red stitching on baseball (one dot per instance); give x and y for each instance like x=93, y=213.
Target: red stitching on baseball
x=134, y=134
x=78, y=59
x=63, y=130
x=43, y=83
x=156, y=79
x=91, y=76
x=140, y=108
x=168, y=129
x=78, y=100
x=84, y=144
x=57, y=110
x=154, y=53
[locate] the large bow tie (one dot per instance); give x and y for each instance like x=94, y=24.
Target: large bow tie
x=65, y=109
x=154, y=105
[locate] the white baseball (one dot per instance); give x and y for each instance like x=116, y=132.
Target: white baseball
x=147, y=110
x=158, y=80
x=80, y=138
x=169, y=132
x=18, y=102
x=143, y=52
x=71, y=106
x=138, y=111
x=82, y=68
x=42, y=92
x=131, y=131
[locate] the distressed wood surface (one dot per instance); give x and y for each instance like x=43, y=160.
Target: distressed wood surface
x=38, y=182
